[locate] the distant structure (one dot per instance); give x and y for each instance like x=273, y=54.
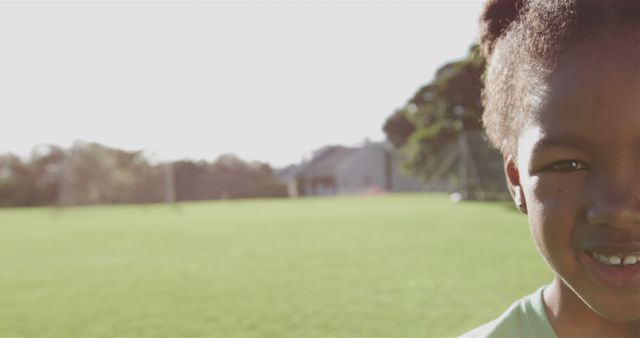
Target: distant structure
x=466, y=166
x=338, y=170
x=476, y=168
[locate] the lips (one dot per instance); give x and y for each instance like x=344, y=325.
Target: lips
x=613, y=247
x=614, y=266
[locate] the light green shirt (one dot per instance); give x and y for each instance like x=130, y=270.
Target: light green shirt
x=524, y=318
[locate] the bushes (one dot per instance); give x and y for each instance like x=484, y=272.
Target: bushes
x=89, y=173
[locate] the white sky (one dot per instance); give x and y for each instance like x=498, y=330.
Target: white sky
x=268, y=81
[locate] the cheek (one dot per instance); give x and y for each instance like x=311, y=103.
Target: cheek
x=553, y=204
x=552, y=193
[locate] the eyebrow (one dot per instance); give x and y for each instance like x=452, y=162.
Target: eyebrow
x=565, y=141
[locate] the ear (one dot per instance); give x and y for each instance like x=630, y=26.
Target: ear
x=513, y=183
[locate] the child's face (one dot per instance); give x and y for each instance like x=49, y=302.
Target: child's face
x=578, y=174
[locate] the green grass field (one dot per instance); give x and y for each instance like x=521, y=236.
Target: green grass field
x=384, y=266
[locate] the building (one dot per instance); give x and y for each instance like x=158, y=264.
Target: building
x=339, y=170
x=466, y=165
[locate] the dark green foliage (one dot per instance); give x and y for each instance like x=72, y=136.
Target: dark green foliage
x=439, y=111
x=399, y=127
x=428, y=127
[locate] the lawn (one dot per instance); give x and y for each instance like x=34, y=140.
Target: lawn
x=380, y=266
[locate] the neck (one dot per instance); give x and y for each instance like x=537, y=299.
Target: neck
x=571, y=317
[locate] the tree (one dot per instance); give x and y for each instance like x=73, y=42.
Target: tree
x=15, y=182
x=46, y=168
x=438, y=112
x=438, y=115
x=226, y=177
x=95, y=174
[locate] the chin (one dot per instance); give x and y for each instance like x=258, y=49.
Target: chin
x=627, y=311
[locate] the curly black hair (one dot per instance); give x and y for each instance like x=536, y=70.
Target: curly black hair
x=522, y=40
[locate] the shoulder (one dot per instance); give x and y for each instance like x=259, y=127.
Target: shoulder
x=524, y=318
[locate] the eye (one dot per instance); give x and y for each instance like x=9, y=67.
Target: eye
x=568, y=166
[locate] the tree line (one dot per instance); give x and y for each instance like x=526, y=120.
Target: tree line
x=90, y=173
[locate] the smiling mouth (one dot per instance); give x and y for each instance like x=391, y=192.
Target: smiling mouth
x=616, y=259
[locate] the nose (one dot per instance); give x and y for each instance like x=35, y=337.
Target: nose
x=616, y=203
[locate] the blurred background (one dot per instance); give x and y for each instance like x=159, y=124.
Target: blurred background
x=250, y=168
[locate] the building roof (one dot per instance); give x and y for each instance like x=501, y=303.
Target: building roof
x=326, y=161
x=359, y=154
